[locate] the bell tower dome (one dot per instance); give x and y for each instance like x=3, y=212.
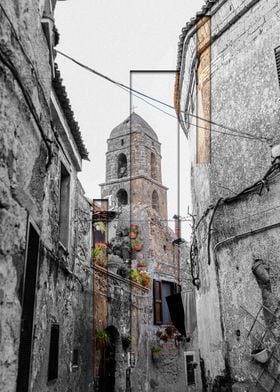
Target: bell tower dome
x=133, y=166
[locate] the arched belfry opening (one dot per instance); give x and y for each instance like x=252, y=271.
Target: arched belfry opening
x=153, y=166
x=122, y=165
x=122, y=197
x=155, y=201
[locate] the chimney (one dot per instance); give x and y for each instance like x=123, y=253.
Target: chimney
x=177, y=226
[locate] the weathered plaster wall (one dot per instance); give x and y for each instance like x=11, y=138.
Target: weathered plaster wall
x=244, y=96
x=238, y=285
x=30, y=189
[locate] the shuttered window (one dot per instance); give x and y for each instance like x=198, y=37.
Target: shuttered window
x=163, y=289
x=277, y=59
x=64, y=206
x=157, y=303
x=53, y=355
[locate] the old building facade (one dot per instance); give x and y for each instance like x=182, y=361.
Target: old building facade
x=227, y=100
x=142, y=266
x=45, y=275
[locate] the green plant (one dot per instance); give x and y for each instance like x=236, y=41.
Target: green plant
x=159, y=333
x=102, y=339
x=136, y=244
x=170, y=330
x=100, y=226
x=156, y=349
x=99, y=253
x=101, y=334
x=139, y=276
x=133, y=228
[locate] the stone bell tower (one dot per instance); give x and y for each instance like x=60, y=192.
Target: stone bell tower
x=133, y=166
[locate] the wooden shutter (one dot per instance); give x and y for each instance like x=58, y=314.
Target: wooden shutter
x=157, y=303
x=176, y=288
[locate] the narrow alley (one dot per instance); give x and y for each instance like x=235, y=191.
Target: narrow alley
x=140, y=235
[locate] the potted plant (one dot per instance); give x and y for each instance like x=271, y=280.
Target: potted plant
x=159, y=333
x=170, y=330
x=102, y=339
x=164, y=337
x=134, y=275
x=137, y=244
x=100, y=226
x=133, y=231
x=142, y=266
x=156, y=350
x=260, y=354
x=99, y=253
x=144, y=278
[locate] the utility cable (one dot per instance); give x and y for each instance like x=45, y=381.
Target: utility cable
x=29, y=103
x=127, y=88
x=244, y=136
x=33, y=69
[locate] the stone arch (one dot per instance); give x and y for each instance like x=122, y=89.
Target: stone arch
x=122, y=197
x=153, y=166
x=122, y=165
x=155, y=201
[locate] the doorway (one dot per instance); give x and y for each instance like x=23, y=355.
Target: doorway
x=28, y=304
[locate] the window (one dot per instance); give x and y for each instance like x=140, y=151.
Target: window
x=122, y=166
x=163, y=289
x=190, y=367
x=64, y=206
x=122, y=197
x=48, y=26
x=75, y=359
x=155, y=201
x=53, y=354
x=122, y=142
x=153, y=166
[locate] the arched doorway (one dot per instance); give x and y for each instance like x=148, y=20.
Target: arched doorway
x=107, y=383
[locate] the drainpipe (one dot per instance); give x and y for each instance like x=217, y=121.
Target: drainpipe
x=243, y=235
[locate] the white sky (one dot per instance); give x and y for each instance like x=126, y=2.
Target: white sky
x=115, y=37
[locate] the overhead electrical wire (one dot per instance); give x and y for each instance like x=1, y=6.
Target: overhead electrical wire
x=141, y=95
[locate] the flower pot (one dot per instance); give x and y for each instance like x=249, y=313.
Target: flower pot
x=260, y=355
x=132, y=235
x=260, y=270
x=138, y=247
x=141, y=267
x=155, y=357
x=100, y=344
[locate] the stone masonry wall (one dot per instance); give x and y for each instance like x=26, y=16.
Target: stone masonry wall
x=29, y=189
x=244, y=96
